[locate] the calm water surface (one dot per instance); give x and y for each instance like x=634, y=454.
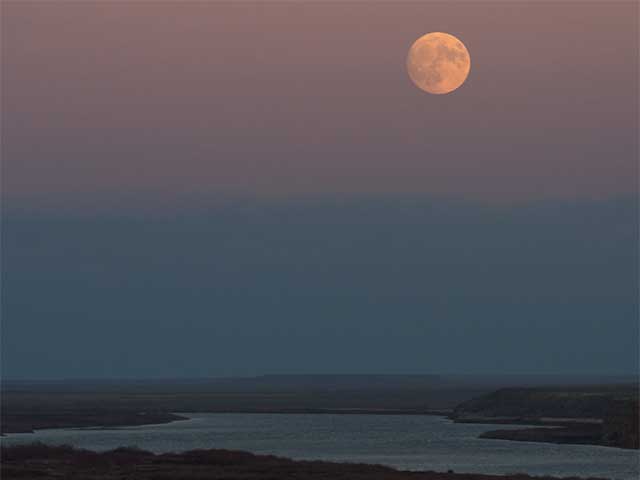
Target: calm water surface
x=403, y=441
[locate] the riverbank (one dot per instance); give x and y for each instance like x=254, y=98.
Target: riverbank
x=596, y=415
x=34, y=406
x=574, y=435
x=32, y=422
x=600, y=415
x=43, y=462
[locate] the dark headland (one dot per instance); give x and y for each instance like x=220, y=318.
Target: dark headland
x=604, y=415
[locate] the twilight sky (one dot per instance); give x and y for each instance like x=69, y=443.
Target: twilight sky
x=211, y=188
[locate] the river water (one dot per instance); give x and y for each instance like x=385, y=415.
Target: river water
x=407, y=442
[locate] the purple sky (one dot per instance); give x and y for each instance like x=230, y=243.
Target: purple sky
x=135, y=102
x=208, y=188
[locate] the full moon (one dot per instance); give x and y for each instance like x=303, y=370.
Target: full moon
x=438, y=63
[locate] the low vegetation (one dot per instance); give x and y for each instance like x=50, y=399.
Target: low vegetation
x=38, y=461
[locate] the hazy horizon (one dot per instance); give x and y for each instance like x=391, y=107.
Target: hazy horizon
x=226, y=189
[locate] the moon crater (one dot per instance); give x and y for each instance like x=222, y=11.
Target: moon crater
x=438, y=63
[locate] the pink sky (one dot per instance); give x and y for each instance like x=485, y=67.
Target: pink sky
x=157, y=101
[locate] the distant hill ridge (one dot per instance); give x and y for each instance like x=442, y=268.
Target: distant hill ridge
x=345, y=380
x=566, y=402
x=327, y=380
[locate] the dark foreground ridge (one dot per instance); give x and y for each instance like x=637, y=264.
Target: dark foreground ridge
x=39, y=461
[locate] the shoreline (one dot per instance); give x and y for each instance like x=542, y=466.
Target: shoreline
x=29, y=424
x=562, y=431
x=559, y=431
x=42, y=461
x=128, y=419
x=557, y=435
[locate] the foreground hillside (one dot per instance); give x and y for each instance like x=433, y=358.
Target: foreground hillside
x=38, y=461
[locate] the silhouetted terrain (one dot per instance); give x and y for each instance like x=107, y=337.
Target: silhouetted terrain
x=601, y=415
x=38, y=461
x=590, y=401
